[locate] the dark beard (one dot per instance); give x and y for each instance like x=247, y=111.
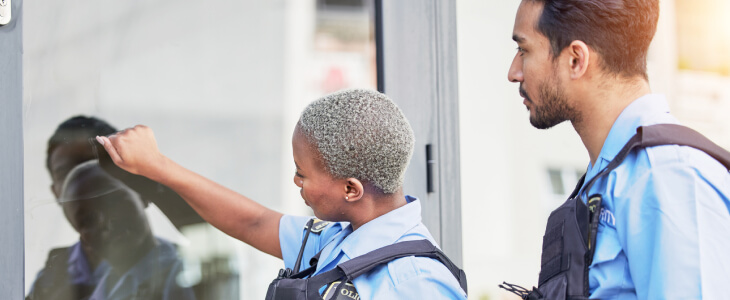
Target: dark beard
x=554, y=108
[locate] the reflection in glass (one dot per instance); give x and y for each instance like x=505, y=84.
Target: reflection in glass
x=117, y=256
x=222, y=81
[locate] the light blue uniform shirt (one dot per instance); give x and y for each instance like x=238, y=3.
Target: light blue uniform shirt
x=153, y=276
x=664, y=230
x=403, y=278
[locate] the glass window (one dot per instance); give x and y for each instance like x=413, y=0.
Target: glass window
x=562, y=182
x=221, y=83
x=556, y=181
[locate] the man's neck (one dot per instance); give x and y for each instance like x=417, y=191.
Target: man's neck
x=600, y=109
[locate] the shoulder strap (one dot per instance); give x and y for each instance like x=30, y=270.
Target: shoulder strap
x=666, y=134
x=672, y=134
x=649, y=136
x=357, y=266
x=578, y=185
x=298, y=262
x=315, y=226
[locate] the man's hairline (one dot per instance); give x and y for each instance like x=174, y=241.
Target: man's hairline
x=596, y=53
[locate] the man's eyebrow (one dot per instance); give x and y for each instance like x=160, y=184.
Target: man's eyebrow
x=296, y=165
x=517, y=38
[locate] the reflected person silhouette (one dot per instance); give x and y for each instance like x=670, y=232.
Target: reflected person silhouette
x=74, y=272
x=71, y=272
x=109, y=217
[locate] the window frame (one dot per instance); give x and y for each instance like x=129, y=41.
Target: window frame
x=11, y=156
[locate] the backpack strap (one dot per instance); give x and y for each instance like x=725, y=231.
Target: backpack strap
x=357, y=266
x=665, y=134
x=672, y=134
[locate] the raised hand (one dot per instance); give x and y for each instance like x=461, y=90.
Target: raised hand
x=135, y=150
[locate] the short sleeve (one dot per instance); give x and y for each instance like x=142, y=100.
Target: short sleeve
x=291, y=229
x=674, y=227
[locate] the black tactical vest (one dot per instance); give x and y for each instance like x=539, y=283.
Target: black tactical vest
x=570, y=236
x=294, y=285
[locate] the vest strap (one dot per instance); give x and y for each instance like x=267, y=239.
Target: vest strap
x=351, y=269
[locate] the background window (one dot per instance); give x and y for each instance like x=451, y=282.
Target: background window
x=703, y=35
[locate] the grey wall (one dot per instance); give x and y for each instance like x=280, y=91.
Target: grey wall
x=11, y=156
x=419, y=45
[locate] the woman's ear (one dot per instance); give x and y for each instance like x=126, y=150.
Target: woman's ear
x=354, y=189
x=579, y=56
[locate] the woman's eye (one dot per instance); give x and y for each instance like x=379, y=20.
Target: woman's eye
x=520, y=50
x=297, y=174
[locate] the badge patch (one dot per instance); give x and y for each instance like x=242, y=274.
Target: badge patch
x=318, y=225
x=593, y=203
x=346, y=292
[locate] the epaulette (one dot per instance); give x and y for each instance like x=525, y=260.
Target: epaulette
x=317, y=225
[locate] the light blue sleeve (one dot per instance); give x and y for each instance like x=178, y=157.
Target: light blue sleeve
x=291, y=230
x=671, y=224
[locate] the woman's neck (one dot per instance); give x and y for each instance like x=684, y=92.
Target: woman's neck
x=374, y=205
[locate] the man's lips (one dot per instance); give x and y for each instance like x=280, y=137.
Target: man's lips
x=523, y=94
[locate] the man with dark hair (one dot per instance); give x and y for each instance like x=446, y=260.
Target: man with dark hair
x=662, y=215
x=69, y=146
x=117, y=256
x=71, y=272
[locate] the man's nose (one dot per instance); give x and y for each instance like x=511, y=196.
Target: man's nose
x=515, y=70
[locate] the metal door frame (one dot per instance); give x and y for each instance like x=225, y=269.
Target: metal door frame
x=417, y=67
x=12, y=260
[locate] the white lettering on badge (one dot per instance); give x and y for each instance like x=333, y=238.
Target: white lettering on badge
x=607, y=217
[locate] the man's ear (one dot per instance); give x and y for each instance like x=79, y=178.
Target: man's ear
x=579, y=57
x=354, y=189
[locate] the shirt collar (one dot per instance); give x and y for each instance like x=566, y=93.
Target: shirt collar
x=384, y=230
x=79, y=269
x=647, y=110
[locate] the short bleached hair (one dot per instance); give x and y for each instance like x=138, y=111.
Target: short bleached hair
x=360, y=134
